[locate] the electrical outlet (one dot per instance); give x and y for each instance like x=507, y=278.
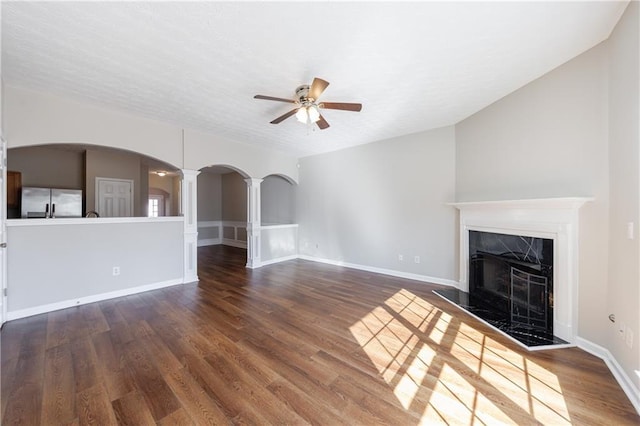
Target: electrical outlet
x=629, y=338
x=400, y=257
x=116, y=270
x=630, y=230
x=416, y=259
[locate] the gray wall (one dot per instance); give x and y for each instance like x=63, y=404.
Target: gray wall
x=368, y=204
x=209, y=197
x=234, y=197
x=143, y=201
x=48, y=167
x=573, y=132
x=623, y=291
x=165, y=185
x=55, y=263
x=546, y=139
x=112, y=164
x=549, y=139
x=278, y=201
x=57, y=167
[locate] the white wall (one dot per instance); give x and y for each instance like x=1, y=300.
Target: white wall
x=51, y=264
x=278, y=242
x=203, y=150
x=367, y=204
x=623, y=290
x=34, y=118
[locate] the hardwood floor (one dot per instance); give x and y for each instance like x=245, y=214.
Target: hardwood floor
x=291, y=343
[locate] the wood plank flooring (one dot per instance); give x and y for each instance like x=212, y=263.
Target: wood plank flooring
x=291, y=343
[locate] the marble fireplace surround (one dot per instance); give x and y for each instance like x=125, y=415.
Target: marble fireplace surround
x=552, y=218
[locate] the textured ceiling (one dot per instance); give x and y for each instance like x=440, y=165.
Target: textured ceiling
x=414, y=66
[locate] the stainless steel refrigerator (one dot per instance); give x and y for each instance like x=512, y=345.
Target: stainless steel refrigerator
x=51, y=202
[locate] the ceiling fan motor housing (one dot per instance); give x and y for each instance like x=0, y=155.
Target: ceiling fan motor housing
x=302, y=92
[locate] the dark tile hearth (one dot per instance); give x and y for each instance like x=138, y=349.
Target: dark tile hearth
x=530, y=337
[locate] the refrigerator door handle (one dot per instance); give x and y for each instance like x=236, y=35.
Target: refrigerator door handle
x=46, y=211
x=53, y=209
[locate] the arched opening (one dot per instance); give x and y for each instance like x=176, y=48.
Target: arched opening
x=279, y=226
x=252, y=220
x=278, y=201
x=96, y=173
x=222, y=213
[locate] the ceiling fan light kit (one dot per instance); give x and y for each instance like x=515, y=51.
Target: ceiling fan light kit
x=308, y=114
x=308, y=109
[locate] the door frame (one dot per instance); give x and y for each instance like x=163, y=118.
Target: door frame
x=3, y=230
x=97, y=193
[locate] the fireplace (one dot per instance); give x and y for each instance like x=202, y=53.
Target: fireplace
x=513, y=276
x=520, y=258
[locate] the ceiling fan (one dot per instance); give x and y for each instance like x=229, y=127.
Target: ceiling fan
x=308, y=108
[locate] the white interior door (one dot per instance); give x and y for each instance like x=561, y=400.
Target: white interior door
x=3, y=230
x=114, y=197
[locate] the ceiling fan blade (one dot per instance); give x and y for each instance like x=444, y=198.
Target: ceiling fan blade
x=345, y=106
x=322, y=123
x=271, y=98
x=317, y=87
x=284, y=116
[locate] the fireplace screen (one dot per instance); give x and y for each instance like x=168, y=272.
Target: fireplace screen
x=513, y=276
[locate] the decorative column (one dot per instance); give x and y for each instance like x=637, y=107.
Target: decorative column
x=253, y=223
x=190, y=214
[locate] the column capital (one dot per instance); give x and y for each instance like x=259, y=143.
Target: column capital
x=189, y=172
x=253, y=181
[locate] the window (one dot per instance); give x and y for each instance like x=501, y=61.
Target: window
x=154, y=204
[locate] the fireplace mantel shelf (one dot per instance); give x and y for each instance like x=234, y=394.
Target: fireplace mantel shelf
x=532, y=203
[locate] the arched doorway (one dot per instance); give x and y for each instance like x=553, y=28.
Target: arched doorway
x=222, y=211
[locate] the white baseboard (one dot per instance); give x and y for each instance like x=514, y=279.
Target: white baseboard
x=234, y=243
x=394, y=273
x=278, y=260
x=625, y=382
x=42, y=309
x=209, y=242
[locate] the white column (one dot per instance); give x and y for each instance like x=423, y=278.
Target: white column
x=190, y=213
x=253, y=223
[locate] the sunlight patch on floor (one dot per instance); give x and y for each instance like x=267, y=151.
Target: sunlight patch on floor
x=429, y=359
x=459, y=402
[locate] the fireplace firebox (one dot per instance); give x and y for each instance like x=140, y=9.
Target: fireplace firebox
x=510, y=286
x=513, y=275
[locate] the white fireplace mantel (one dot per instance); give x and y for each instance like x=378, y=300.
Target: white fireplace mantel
x=552, y=218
